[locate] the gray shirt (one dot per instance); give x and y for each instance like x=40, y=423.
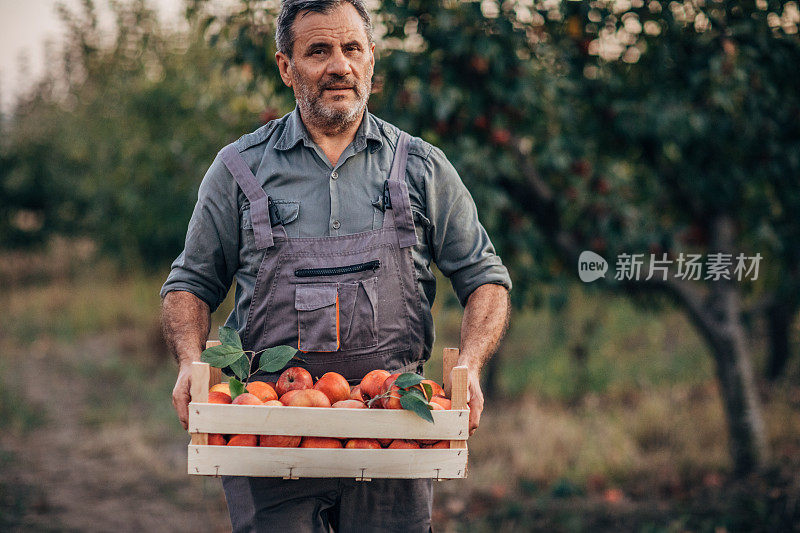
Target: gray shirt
x=317, y=199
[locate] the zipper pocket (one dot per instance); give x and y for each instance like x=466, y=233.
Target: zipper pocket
x=337, y=271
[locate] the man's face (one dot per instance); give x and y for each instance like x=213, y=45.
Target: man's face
x=331, y=67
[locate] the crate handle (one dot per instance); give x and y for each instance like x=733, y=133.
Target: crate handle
x=456, y=381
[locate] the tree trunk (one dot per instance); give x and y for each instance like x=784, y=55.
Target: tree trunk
x=748, y=445
x=779, y=319
x=734, y=368
x=718, y=317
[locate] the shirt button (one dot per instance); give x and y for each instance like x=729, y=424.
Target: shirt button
x=334, y=175
x=336, y=224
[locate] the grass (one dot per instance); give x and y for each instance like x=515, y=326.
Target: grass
x=18, y=416
x=607, y=413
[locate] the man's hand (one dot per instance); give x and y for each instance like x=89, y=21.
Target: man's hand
x=474, y=400
x=185, y=321
x=181, y=394
x=484, y=323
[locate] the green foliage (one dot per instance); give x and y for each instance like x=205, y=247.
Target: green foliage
x=236, y=387
x=413, y=400
x=230, y=354
x=230, y=336
x=114, y=140
x=274, y=359
x=426, y=387
x=408, y=379
x=644, y=120
x=221, y=356
x=241, y=367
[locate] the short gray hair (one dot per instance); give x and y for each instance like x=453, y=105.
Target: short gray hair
x=284, y=36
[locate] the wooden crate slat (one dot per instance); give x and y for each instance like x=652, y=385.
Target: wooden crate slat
x=320, y=462
x=325, y=422
x=459, y=397
x=201, y=374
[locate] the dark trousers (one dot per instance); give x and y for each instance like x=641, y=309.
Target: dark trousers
x=342, y=505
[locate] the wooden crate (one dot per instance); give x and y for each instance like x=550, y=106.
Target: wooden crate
x=295, y=463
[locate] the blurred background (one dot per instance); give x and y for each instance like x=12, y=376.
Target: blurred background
x=622, y=127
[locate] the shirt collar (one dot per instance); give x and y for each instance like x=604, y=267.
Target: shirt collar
x=295, y=131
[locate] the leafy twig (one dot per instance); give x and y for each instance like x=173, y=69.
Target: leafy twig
x=231, y=354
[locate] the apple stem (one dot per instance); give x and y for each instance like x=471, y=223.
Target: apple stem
x=378, y=397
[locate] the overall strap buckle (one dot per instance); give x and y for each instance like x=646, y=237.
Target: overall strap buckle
x=387, y=198
x=274, y=214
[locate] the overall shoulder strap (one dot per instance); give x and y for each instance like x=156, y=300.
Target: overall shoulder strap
x=259, y=201
x=398, y=194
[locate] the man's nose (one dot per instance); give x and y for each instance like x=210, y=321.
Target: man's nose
x=338, y=63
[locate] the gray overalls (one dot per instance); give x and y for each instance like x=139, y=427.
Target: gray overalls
x=350, y=304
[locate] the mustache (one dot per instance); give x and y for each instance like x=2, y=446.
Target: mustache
x=340, y=84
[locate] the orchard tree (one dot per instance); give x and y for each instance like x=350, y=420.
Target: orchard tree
x=112, y=142
x=622, y=127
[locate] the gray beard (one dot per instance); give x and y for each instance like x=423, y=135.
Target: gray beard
x=327, y=119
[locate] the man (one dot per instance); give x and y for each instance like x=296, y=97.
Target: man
x=328, y=219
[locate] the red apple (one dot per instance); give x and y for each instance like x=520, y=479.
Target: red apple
x=294, y=378
x=247, y=399
x=218, y=397
x=279, y=441
x=356, y=394
x=286, y=398
x=309, y=398
x=363, y=443
x=274, y=403
x=403, y=444
x=350, y=404
x=334, y=386
x=437, y=389
x=393, y=400
x=262, y=390
x=441, y=400
x=320, y=442
x=371, y=383
x=243, y=440
x=215, y=439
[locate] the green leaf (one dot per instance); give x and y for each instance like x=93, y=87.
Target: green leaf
x=411, y=402
x=236, y=387
x=428, y=390
x=409, y=379
x=274, y=359
x=221, y=356
x=241, y=367
x=230, y=337
x=415, y=393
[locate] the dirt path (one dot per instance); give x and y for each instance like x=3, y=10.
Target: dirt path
x=70, y=474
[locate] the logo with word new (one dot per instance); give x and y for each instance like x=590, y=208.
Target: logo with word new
x=591, y=266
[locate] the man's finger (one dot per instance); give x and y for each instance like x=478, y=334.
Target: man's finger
x=180, y=401
x=474, y=417
x=183, y=415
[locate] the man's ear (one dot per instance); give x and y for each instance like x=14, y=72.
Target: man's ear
x=284, y=67
x=372, y=55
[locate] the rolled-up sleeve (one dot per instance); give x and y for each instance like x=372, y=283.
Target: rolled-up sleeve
x=460, y=246
x=210, y=257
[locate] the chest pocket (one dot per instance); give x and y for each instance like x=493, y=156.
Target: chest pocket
x=289, y=211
